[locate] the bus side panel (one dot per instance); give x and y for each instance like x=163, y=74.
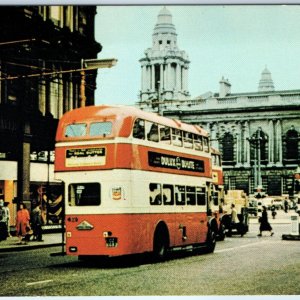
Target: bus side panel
x=132, y=237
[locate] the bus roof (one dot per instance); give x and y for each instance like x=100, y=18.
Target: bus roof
x=118, y=113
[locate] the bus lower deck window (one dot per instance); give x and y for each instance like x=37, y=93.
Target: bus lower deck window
x=84, y=194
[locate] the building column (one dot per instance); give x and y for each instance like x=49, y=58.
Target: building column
x=247, y=144
x=169, y=76
x=161, y=77
x=214, y=141
x=178, y=75
x=279, y=143
x=152, y=78
x=185, y=79
x=142, y=78
x=271, y=144
x=239, y=146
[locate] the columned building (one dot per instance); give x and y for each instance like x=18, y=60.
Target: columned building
x=258, y=133
x=164, y=68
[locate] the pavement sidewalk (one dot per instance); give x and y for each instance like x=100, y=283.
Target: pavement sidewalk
x=55, y=239
x=49, y=240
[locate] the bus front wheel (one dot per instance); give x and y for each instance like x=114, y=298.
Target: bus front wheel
x=210, y=241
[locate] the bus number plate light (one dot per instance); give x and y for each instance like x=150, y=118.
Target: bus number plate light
x=111, y=242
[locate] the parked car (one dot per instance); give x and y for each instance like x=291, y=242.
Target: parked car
x=252, y=208
x=278, y=203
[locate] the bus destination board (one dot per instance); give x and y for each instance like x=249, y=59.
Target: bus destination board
x=85, y=157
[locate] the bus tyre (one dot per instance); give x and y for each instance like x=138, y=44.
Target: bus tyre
x=160, y=244
x=210, y=241
x=221, y=232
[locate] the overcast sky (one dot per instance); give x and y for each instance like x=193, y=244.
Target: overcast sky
x=236, y=42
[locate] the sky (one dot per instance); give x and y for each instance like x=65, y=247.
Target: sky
x=234, y=41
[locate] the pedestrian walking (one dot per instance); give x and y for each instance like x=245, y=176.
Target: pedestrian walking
x=264, y=223
x=3, y=221
x=234, y=219
x=36, y=223
x=286, y=205
x=273, y=210
x=22, y=222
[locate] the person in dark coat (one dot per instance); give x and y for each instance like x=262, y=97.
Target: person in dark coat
x=36, y=223
x=264, y=223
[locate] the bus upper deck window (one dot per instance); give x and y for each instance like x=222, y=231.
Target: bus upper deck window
x=205, y=144
x=176, y=137
x=198, y=142
x=152, y=132
x=139, y=129
x=73, y=130
x=188, y=140
x=101, y=128
x=165, y=134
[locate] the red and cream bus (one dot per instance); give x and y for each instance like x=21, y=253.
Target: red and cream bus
x=135, y=182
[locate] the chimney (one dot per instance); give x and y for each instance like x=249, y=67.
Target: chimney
x=225, y=87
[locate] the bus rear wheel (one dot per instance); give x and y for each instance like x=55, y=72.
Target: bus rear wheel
x=160, y=245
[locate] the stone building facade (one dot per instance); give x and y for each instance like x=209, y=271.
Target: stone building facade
x=258, y=133
x=41, y=47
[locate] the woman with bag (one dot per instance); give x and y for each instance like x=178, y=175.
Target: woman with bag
x=22, y=222
x=264, y=223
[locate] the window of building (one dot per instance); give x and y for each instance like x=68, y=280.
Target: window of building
x=54, y=14
x=291, y=141
x=227, y=144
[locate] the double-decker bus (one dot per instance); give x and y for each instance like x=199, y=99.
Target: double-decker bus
x=135, y=182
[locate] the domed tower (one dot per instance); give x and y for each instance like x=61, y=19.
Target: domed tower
x=266, y=82
x=164, y=67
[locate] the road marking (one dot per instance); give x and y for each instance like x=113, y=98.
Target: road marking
x=242, y=246
x=39, y=282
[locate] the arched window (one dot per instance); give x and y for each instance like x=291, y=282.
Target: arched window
x=291, y=148
x=227, y=143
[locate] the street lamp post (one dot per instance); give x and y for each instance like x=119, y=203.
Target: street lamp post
x=92, y=64
x=255, y=141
